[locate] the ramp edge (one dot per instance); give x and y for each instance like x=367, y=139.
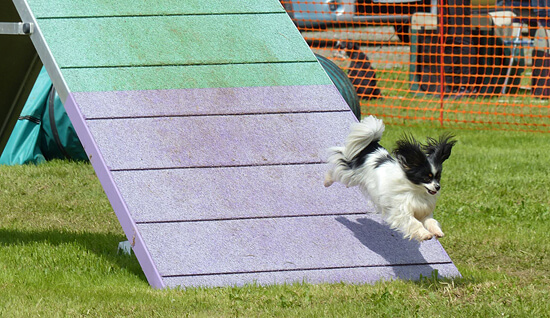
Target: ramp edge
x=119, y=205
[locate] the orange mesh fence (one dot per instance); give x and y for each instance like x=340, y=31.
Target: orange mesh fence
x=476, y=64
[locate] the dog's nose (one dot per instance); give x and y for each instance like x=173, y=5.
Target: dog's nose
x=437, y=187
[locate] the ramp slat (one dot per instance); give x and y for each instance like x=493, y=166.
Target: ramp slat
x=194, y=76
x=315, y=242
x=237, y=192
x=210, y=101
x=175, y=40
x=315, y=276
x=206, y=141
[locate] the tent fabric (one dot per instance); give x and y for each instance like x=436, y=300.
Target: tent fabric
x=43, y=130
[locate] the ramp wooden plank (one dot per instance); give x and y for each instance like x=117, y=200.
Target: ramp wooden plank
x=213, y=141
x=101, y=8
x=234, y=192
x=210, y=101
x=185, y=40
x=194, y=76
x=355, y=275
x=296, y=243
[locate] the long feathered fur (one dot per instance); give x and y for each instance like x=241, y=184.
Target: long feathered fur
x=367, y=132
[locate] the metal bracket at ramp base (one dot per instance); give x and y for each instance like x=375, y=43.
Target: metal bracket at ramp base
x=17, y=28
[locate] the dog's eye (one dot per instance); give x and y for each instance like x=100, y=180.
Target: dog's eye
x=427, y=180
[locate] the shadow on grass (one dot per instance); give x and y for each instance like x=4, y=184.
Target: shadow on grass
x=101, y=244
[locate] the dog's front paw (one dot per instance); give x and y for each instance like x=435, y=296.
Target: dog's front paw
x=421, y=235
x=433, y=227
x=438, y=233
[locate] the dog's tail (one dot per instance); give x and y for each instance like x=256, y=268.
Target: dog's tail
x=344, y=159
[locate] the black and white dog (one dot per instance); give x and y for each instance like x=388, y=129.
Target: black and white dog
x=403, y=185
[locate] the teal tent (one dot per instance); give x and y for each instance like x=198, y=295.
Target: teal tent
x=43, y=130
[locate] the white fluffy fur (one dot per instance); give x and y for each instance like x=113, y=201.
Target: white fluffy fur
x=405, y=206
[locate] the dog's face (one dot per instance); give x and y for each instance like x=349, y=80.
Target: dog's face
x=426, y=175
x=423, y=164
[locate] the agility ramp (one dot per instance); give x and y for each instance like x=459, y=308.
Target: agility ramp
x=207, y=123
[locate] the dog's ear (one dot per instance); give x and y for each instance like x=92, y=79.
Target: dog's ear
x=409, y=152
x=439, y=150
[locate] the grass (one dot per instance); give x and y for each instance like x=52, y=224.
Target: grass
x=59, y=237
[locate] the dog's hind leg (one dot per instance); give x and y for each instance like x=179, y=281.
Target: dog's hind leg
x=328, y=179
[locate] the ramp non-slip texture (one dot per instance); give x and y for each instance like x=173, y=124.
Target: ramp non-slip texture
x=207, y=123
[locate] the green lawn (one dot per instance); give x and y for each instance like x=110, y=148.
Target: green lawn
x=59, y=237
